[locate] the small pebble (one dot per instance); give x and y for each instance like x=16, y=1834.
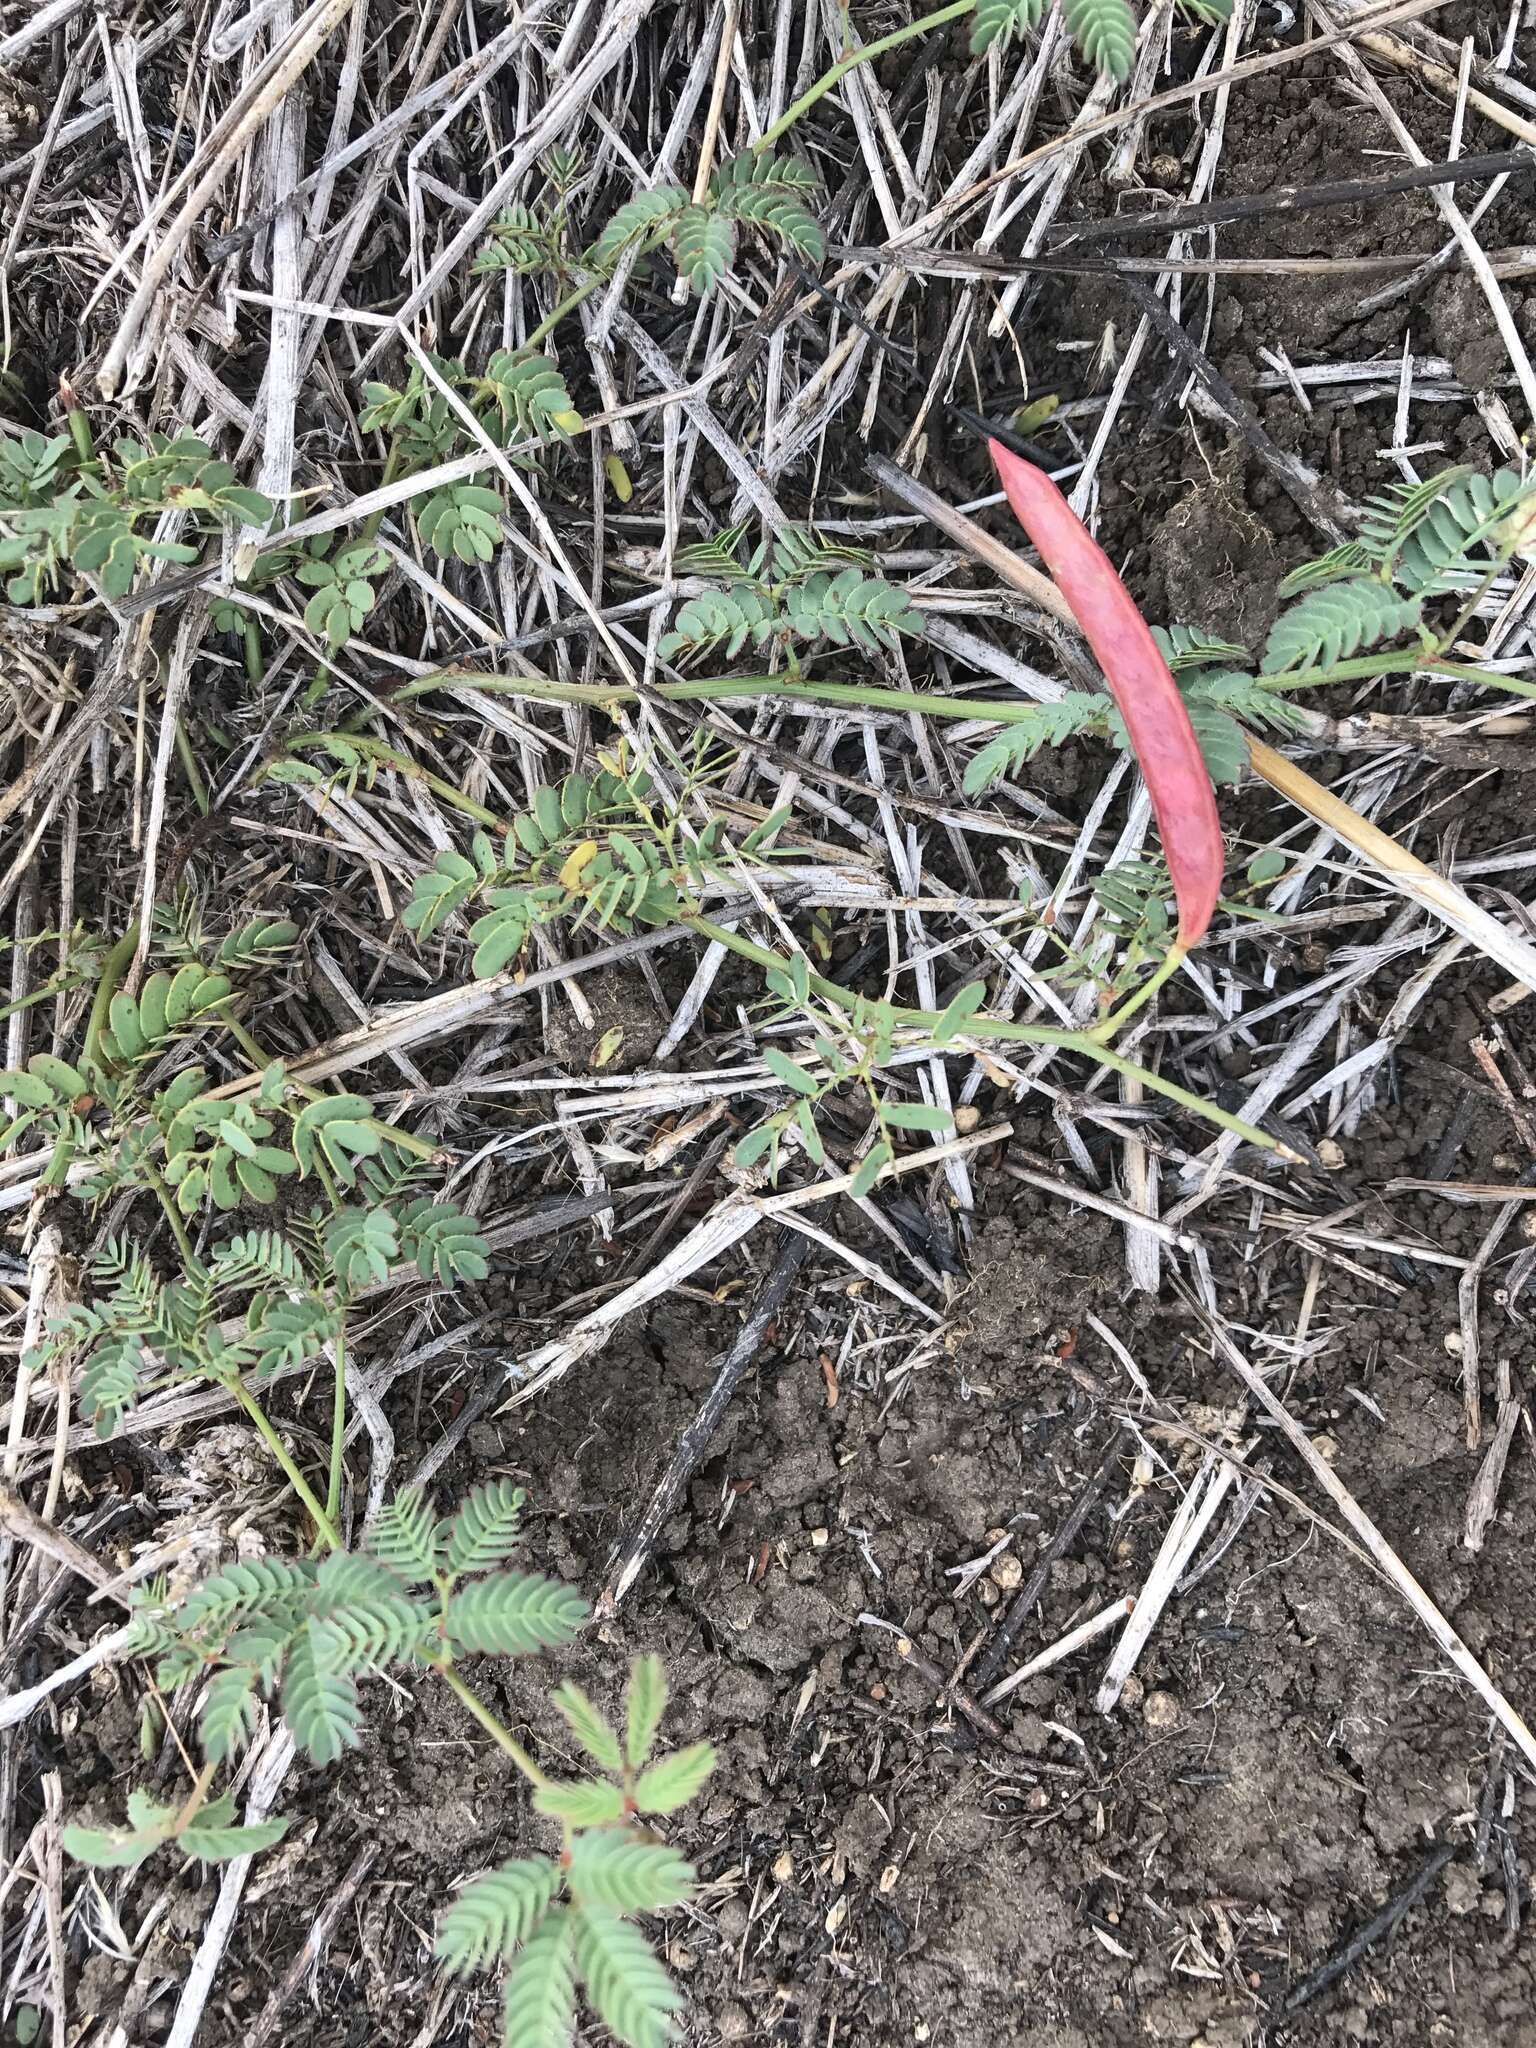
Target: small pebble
x=1330, y=1154
x=1161, y=1710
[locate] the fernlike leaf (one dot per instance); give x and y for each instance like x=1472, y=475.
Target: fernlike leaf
x=771, y=193
x=513, y=1613
x=371, y=1618
x=637, y=218
x=1339, y=620
x=405, y=1537
x=496, y=1913
x=646, y=1703
x=319, y=1704
x=631, y=1992
x=215, y=1836
x=540, y=2002
x=230, y=1709
x=1144, y=690
x=994, y=21
x=589, y=1803
x=674, y=1780
x=1105, y=32
x=627, y=1873
x=704, y=244
x=486, y=1528
x=589, y=1726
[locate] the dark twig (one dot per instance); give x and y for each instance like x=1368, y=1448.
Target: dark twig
x=1024, y=1600
x=1299, y=483
x=1169, y=220
x=1328, y=1974
x=635, y=1546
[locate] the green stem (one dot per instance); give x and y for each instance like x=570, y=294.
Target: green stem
x=865, y=54
x=338, y=1427
x=1085, y=1043
x=115, y=966
x=173, y=1215
x=251, y=648
x=1363, y=667
x=375, y=520
x=190, y=769
x=391, y=757
x=568, y=304
x=1110, y=1026
x=500, y=1734
x=329, y=1533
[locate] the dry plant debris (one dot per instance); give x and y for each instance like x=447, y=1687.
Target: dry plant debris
x=601, y=968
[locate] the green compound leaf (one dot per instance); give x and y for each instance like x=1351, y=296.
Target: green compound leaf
x=626, y=1873
x=850, y=609
x=1046, y=725
x=487, y=1527
x=1105, y=32
x=405, y=1537
x=771, y=193
x=368, y=1617
x=462, y=522
x=589, y=1726
x=635, y=219
x=540, y=2004
x=1339, y=620
x=704, y=244
x=361, y=1245
x=996, y=21
x=256, y=944
x=589, y=1803
x=492, y=1916
x=230, y=1711
x=215, y=1836
x=724, y=620
x=442, y=1242
x=319, y=1703
x=676, y=1779
x=648, y=1700
x=335, y=1129
x=513, y=1613
x=528, y=398
x=630, y=1991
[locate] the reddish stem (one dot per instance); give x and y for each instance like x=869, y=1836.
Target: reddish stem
x=1144, y=691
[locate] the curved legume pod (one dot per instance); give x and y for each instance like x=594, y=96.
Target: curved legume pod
x=1148, y=699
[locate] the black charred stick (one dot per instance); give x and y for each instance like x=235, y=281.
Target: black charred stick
x=1170, y=220
x=635, y=1546
x=1328, y=1974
